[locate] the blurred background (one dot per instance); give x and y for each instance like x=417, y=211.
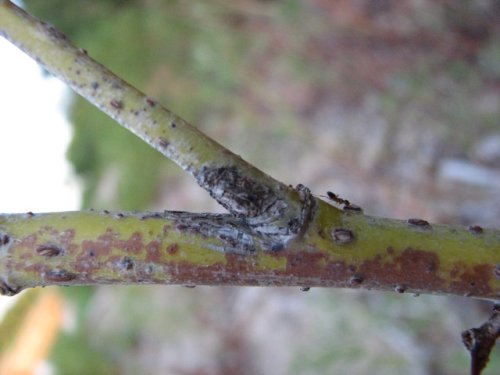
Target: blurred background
x=392, y=105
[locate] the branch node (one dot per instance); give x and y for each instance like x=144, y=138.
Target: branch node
x=480, y=341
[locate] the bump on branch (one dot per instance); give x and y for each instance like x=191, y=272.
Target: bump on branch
x=480, y=341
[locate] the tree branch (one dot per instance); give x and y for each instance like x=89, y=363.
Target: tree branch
x=274, y=235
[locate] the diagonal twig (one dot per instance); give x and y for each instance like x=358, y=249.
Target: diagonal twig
x=269, y=206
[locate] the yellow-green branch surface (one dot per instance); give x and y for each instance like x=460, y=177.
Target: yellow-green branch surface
x=339, y=249
x=274, y=235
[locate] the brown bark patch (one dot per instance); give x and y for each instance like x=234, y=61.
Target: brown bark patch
x=471, y=282
x=416, y=269
x=153, y=252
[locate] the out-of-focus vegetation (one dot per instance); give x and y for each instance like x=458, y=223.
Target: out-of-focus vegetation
x=13, y=319
x=364, y=98
x=259, y=72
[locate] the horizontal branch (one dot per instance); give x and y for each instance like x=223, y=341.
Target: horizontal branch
x=346, y=249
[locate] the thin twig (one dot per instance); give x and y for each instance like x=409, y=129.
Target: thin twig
x=271, y=207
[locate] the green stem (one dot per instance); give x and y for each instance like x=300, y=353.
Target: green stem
x=269, y=205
